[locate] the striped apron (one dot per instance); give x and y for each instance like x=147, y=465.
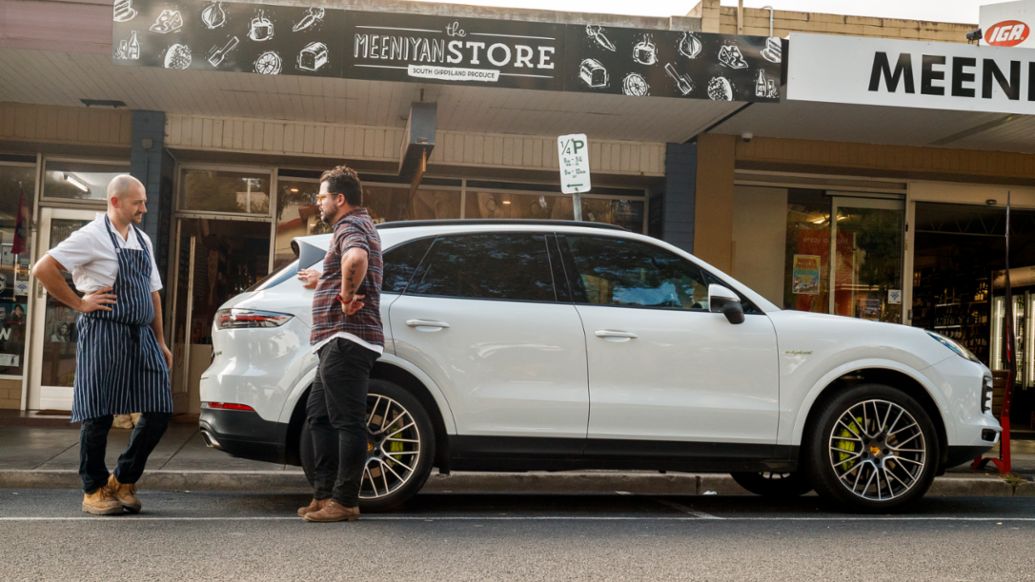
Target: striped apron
x=119, y=366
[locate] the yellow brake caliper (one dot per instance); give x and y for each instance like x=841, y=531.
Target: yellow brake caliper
x=849, y=446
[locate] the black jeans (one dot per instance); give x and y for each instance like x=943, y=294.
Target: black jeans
x=337, y=415
x=93, y=443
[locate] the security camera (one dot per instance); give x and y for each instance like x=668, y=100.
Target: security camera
x=747, y=136
x=974, y=35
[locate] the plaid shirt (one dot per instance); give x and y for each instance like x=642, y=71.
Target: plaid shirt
x=354, y=230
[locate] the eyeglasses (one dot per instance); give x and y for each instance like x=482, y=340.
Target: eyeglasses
x=321, y=197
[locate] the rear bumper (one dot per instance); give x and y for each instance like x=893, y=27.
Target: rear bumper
x=244, y=434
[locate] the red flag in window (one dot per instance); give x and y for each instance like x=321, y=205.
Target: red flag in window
x=21, y=224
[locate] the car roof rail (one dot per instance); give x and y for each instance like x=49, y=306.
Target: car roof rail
x=497, y=221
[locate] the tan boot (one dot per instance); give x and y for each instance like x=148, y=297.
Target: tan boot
x=125, y=494
x=333, y=511
x=101, y=501
x=314, y=505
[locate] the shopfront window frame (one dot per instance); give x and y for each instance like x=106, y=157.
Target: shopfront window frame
x=89, y=203
x=37, y=191
x=268, y=171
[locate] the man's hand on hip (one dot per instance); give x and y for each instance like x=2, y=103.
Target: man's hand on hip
x=99, y=300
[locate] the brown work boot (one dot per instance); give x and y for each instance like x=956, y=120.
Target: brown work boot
x=125, y=494
x=333, y=511
x=314, y=505
x=101, y=501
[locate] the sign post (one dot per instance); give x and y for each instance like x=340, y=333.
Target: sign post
x=573, y=154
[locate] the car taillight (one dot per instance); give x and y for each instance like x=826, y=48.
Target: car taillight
x=227, y=406
x=243, y=318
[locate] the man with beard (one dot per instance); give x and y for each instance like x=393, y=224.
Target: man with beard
x=348, y=338
x=122, y=362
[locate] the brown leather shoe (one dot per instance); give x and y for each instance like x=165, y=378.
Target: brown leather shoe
x=333, y=511
x=125, y=494
x=101, y=501
x=314, y=505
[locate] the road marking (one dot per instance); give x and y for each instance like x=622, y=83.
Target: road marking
x=688, y=518
x=684, y=509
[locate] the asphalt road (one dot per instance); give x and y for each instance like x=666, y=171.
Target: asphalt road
x=224, y=536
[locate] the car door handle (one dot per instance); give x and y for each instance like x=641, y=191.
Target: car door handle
x=426, y=324
x=611, y=335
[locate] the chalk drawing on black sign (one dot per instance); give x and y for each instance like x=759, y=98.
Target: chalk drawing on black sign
x=453, y=30
x=635, y=85
x=123, y=11
x=645, y=52
x=596, y=32
x=129, y=49
x=773, y=51
x=313, y=57
x=684, y=83
x=268, y=63
x=765, y=86
x=720, y=89
x=593, y=74
x=213, y=16
x=261, y=28
x=177, y=57
x=312, y=19
x=689, y=45
x=217, y=54
x=730, y=56
x=168, y=21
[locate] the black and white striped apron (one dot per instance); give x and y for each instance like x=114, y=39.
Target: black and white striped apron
x=119, y=366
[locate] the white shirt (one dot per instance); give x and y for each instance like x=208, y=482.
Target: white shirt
x=89, y=255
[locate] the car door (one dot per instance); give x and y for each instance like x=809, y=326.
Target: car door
x=481, y=317
x=661, y=366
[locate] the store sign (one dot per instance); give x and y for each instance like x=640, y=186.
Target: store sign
x=902, y=73
x=1008, y=24
x=270, y=39
x=573, y=155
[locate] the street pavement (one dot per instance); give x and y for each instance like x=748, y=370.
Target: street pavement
x=45, y=454
x=256, y=536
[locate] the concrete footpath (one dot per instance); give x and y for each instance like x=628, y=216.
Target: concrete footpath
x=44, y=453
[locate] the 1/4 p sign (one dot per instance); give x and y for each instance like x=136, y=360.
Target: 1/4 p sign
x=573, y=152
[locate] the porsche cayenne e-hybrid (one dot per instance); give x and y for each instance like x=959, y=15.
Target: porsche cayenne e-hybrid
x=518, y=346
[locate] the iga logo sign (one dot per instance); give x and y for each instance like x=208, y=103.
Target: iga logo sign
x=1007, y=33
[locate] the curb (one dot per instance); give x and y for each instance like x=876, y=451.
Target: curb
x=477, y=482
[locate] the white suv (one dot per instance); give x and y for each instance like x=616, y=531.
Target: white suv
x=516, y=346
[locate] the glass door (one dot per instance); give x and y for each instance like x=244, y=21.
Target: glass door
x=53, y=323
x=867, y=245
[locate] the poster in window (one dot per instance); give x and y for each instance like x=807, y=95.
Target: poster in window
x=805, y=277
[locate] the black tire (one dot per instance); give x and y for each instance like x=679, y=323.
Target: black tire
x=774, y=485
x=386, y=483
x=872, y=449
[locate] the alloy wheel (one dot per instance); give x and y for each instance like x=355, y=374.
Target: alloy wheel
x=877, y=450
x=393, y=447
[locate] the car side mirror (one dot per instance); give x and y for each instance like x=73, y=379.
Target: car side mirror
x=722, y=300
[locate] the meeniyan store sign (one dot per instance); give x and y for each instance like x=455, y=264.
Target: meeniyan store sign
x=903, y=73
x=314, y=41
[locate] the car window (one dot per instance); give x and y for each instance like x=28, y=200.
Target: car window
x=275, y=278
x=631, y=273
x=511, y=266
x=401, y=262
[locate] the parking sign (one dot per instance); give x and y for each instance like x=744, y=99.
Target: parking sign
x=573, y=151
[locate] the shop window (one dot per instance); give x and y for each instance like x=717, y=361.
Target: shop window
x=224, y=191
x=297, y=215
x=79, y=180
x=17, y=188
x=806, y=280
x=390, y=203
x=624, y=213
x=514, y=205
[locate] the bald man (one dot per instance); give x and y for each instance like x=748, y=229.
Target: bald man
x=122, y=362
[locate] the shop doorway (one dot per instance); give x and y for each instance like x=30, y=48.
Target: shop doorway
x=215, y=260
x=958, y=286
x=52, y=357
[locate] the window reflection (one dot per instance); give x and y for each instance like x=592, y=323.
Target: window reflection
x=390, y=203
x=17, y=190
x=222, y=191
x=79, y=180
x=297, y=215
x=514, y=205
